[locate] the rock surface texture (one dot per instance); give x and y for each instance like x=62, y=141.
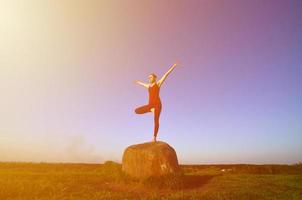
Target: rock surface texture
x=150, y=159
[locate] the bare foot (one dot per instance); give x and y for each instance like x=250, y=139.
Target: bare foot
x=154, y=139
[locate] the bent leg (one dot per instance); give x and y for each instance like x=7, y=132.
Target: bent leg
x=143, y=109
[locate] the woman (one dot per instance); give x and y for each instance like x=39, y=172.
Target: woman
x=154, y=104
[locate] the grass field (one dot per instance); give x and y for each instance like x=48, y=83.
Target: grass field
x=106, y=181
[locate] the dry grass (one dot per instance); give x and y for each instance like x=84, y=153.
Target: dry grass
x=106, y=181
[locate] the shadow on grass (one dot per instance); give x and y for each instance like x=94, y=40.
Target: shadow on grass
x=194, y=181
x=177, y=182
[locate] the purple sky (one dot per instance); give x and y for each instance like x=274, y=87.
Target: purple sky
x=67, y=72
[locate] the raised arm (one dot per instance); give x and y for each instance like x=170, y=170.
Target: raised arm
x=142, y=84
x=161, y=81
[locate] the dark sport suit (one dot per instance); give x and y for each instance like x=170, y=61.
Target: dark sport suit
x=154, y=102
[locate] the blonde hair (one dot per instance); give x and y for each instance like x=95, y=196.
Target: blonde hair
x=154, y=75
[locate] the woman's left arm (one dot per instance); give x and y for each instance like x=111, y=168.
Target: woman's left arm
x=161, y=81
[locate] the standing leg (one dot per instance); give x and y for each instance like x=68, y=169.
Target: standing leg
x=156, y=120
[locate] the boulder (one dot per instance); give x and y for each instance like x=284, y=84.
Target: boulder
x=150, y=159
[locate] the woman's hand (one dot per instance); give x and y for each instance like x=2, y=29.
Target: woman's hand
x=141, y=83
x=177, y=63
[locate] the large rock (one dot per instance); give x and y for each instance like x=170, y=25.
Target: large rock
x=150, y=159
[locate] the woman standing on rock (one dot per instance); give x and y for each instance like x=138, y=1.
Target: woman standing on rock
x=154, y=104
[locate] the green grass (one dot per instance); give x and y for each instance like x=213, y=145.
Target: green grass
x=106, y=181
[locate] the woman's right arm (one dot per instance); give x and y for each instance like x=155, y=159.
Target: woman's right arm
x=142, y=84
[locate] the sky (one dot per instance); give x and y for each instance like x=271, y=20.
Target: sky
x=67, y=71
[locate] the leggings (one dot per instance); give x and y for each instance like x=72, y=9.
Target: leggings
x=147, y=108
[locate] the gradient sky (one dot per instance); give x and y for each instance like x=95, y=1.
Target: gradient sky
x=67, y=70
